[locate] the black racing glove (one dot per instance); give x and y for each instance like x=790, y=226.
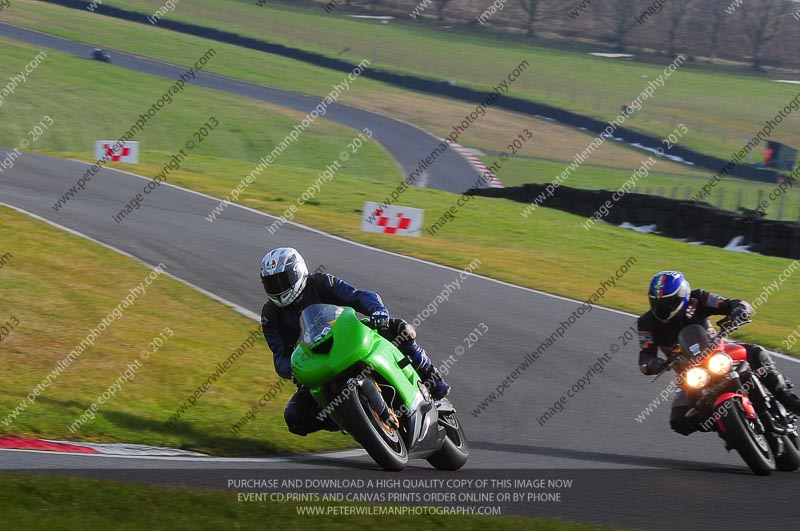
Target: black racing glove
x=740, y=316
x=655, y=365
x=379, y=320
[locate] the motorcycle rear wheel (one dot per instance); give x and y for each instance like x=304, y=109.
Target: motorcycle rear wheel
x=789, y=460
x=383, y=443
x=455, y=449
x=752, y=447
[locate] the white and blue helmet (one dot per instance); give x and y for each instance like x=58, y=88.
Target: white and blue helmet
x=283, y=275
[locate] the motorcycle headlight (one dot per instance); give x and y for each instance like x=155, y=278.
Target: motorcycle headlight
x=697, y=377
x=720, y=363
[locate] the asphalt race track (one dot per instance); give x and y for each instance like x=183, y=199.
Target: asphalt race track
x=624, y=472
x=596, y=432
x=406, y=143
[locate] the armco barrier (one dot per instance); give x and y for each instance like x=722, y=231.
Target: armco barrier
x=701, y=222
x=429, y=86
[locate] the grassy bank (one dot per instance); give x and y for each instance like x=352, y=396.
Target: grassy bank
x=45, y=503
x=712, y=102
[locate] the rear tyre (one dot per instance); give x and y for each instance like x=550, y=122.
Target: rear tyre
x=789, y=460
x=382, y=442
x=455, y=449
x=740, y=432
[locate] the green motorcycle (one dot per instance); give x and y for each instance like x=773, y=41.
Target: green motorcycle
x=365, y=384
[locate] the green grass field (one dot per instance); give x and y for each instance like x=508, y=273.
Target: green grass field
x=436, y=114
x=712, y=102
x=102, y=101
x=38, y=503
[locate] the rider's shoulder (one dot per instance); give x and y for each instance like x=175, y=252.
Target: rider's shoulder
x=322, y=280
x=700, y=294
x=646, y=319
x=268, y=312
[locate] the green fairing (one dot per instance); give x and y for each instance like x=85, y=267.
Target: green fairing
x=353, y=342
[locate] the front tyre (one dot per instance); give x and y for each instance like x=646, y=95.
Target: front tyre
x=740, y=432
x=455, y=449
x=789, y=460
x=382, y=442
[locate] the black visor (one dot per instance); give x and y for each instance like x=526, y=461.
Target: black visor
x=278, y=283
x=663, y=308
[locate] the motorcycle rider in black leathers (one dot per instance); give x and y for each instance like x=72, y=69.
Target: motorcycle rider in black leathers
x=673, y=306
x=290, y=290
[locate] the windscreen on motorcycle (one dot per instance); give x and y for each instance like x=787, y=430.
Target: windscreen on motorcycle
x=316, y=322
x=695, y=341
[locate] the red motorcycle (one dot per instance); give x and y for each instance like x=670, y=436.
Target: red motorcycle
x=731, y=400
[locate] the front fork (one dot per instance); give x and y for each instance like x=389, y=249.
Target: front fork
x=770, y=411
x=749, y=393
x=374, y=396
x=752, y=398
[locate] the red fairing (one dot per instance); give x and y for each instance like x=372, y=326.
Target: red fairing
x=737, y=352
x=748, y=406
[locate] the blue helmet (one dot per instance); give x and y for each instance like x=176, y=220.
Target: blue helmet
x=669, y=295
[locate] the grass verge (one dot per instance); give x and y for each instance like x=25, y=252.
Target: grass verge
x=100, y=101
x=44, y=503
x=713, y=102
x=57, y=286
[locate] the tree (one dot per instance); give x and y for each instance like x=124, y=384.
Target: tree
x=530, y=7
x=440, y=7
x=762, y=21
x=677, y=11
x=621, y=18
x=715, y=9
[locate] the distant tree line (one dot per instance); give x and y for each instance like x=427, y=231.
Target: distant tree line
x=758, y=32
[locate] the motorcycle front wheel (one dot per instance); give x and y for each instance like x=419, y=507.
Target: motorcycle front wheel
x=740, y=432
x=382, y=442
x=455, y=449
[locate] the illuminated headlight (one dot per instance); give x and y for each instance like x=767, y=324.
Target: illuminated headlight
x=720, y=363
x=697, y=377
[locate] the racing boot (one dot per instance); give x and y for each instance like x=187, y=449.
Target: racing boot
x=422, y=364
x=776, y=383
x=404, y=338
x=780, y=388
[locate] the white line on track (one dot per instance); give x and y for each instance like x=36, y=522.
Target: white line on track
x=345, y=454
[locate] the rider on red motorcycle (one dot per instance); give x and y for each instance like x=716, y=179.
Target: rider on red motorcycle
x=673, y=306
